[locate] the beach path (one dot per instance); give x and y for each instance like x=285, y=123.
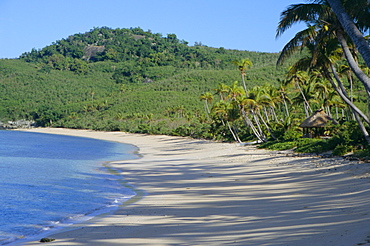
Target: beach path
x=197, y=192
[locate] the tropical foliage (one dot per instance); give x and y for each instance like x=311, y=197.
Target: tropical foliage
x=133, y=92
x=326, y=77
x=137, y=81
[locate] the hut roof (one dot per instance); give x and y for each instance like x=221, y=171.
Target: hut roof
x=318, y=119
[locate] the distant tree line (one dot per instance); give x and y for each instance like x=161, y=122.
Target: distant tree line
x=134, y=51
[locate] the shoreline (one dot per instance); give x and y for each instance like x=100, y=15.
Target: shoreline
x=205, y=193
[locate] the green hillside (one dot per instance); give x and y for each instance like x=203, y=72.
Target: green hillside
x=122, y=79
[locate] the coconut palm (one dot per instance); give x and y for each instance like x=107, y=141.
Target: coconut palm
x=208, y=98
x=247, y=106
x=321, y=38
x=300, y=79
x=350, y=27
x=333, y=100
x=257, y=100
x=243, y=65
x=228, y=112
x=323, y=88
x=345, y=70
x=265, y=101
x=352, y=62
x=222, y=90
x=284, y=96
x=235, y=91
x=323, y=24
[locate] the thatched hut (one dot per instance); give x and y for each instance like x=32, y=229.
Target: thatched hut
x=314, y=125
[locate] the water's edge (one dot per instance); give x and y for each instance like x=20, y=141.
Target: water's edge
x=82, y=220
x=89, y=218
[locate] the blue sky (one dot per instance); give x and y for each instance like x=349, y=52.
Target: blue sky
x=232, y=24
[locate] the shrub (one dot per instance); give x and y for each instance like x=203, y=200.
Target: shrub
x=310, y=145
x=194, y=130
x=292, y=134
x=342, y=149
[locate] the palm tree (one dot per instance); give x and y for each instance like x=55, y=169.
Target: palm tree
x=243, y=65
x=229, y=113
x=208, y=98
x=345, y=70
x=221, y=90
x=333, y=100
x=257, y=100
x=322, y=87
x=235, y=91
x=350, y=27
x=300, y=80
x=284, y=96
x=321, y=37
x=352, y=62
x=247, y=105
x=323, y=24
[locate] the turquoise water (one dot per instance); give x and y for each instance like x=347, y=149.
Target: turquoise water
x=48, y=181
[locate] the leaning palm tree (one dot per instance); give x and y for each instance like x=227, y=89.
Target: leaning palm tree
x=350, y=27
x=322, y=23
x=247, y=107
x=228, y=113
x=262, y=100
x=353, y=63
x=321, y=37
x=344, y=70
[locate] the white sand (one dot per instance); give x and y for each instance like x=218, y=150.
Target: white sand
x=205, y=193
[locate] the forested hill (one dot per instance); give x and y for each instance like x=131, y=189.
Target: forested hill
x=124, y=79
x=137, y=48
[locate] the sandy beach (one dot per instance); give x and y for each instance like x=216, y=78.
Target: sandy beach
x=197, y=192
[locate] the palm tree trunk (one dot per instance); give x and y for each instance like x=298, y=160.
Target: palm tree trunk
x=327, y=110
x=232, y=132
x=306, y=104
x=351, y=87
x=207, y=107
x=342, y=93
x=352, y=63
x=274, y=113
x=222, y=120
x=266, y=114
x=351, y=29
x=286, y=105
x=256, y=120
x=236, y=133
x=362, y=127
x=306, y=110
x=267, y=127
x=244, y=85
x=351, y=94
x=249, y=123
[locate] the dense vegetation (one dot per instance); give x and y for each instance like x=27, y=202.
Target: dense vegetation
x=137, y=81
x=151, y=85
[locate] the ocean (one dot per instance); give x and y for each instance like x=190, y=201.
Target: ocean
x=49, y=181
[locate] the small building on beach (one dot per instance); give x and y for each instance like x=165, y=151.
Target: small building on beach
x=314, y=126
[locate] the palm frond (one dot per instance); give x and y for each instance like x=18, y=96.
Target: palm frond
x=297, y=13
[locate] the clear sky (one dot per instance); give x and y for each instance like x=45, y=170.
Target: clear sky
x=232, y=24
